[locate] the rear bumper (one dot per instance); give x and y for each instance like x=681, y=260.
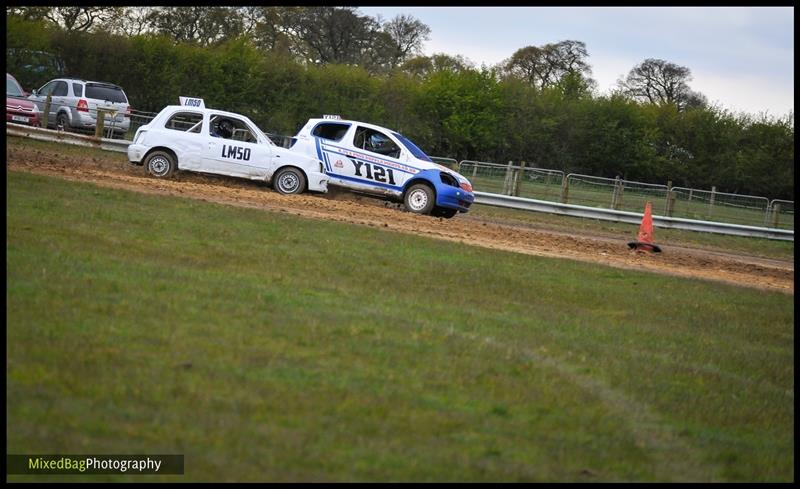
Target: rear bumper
x=88, y=120
x=135, y=153
x=317, y=182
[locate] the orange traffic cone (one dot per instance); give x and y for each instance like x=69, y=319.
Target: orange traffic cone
x=644, y=241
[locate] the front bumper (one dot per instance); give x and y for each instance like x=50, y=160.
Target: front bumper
x=22, y=117
x=454, y=198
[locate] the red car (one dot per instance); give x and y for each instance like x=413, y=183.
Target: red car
x=19, y=109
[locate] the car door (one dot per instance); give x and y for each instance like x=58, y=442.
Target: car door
x=238, y=154
x=40, y=99
x=60, y=96
x=183, y=133
x=372, y=161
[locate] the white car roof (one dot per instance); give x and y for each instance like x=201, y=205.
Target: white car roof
x=205, y=109
x=350, y=121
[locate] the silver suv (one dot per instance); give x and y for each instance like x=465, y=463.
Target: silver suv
x=75, y=102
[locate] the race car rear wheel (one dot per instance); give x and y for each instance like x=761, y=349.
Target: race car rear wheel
x=420, y=199
x=160, y=164
x=289, y=180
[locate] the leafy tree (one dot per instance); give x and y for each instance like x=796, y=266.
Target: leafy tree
x=423, y=66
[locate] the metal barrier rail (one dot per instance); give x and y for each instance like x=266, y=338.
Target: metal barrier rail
x=630, y=217
x=121, y=145
x=52, y=135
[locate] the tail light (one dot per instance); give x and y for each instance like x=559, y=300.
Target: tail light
x=467, y=187
x=83, y=106
x=128, y=111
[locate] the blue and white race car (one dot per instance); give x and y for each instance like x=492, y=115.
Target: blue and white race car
x=373, y=159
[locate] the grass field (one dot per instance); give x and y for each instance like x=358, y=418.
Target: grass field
x=272, y=348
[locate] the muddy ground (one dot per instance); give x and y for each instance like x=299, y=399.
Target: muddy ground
x=112, y=170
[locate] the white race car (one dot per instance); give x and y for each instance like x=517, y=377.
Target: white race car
x=376, y=160
x=195, y=138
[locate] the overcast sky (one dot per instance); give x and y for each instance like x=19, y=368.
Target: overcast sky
x=741, y=58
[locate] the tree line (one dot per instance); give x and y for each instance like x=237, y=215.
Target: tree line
x=282, y=65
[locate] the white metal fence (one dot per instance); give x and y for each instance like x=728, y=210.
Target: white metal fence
x=627, y=195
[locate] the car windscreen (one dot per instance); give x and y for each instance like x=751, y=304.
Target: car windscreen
x=105, y=92
x=412, y=147
x=12, y=88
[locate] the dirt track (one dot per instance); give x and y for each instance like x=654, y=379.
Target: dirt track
x=114, y=171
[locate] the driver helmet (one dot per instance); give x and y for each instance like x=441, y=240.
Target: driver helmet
x=225, y=128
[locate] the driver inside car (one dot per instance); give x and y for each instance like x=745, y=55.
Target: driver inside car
x=222, y=129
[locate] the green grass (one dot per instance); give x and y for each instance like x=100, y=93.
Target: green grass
x=272, y=348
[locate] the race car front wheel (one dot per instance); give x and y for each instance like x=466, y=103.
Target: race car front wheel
x=290, y=181
x=420, y=199
x=160, y=164
x=442, y=212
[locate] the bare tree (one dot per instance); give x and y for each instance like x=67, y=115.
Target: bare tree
x=70, y=18
x=545, y=66
x=657, y=81
x=204, y=25
x=407, y=35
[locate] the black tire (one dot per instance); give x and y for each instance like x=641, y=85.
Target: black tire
x=160, y=164
x=442, y=212
x=63, y=121
x=419, y=199
x=289, y=181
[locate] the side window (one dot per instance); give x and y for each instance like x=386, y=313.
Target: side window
x=375, y=142
x=186, y=122
x=331, y=130
x=77, y=90
x=231, y=128
x=60, y=89
x=47, y=89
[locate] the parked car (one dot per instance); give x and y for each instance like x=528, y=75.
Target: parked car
x=195, y=138
x=19, y=109
x=373, y=159
x=75, y=103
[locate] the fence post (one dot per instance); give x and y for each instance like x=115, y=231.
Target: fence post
x=507, y=183
x=565, y=189
x=519, y=176
x=101, y=120
x=776, y=210
x=474, y=169
x=711, y=200
x=670, y=199
x=615, y=195
x=46, y=114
